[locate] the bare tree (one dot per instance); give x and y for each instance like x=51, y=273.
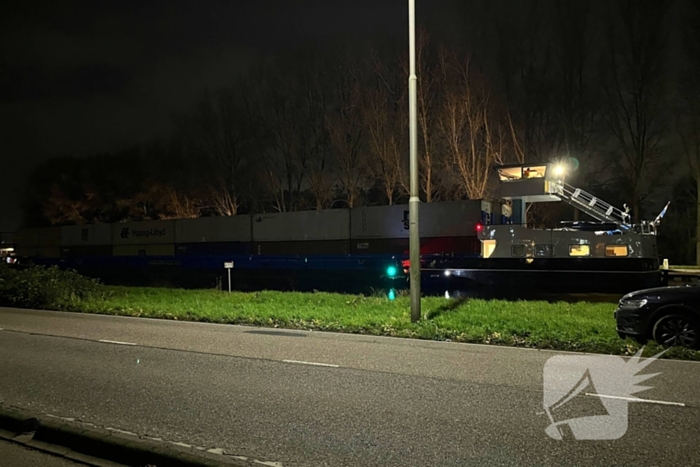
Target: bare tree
x=315, y=140
x=59, y=208
x=346, y=135
x=385, y=140
x=525, y=65
x=635, y=93
x=472, y=130
x=384, y=120
x=431, y=158
x=577, y=101
x=221, y=134
x=344, y=125
x=295, y=146
x=283, y=162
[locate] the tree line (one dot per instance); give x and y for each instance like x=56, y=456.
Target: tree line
x=610, y=90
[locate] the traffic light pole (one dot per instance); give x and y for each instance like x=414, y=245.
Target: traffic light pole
x=414, y=200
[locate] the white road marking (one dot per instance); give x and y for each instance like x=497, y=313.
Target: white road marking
x=310, y=363
x=69, y=419
x=636, y=399
x=271, y=464
x=183, y=445
x=116, y=342
x=219, y=451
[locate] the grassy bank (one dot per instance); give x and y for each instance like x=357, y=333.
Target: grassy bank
x=563, y=326
x=579, y=326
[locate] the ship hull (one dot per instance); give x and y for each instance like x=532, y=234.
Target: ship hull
x=548, y=276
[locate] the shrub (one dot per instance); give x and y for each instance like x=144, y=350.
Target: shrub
x=44, y=287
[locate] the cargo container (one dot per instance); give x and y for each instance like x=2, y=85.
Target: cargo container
x=316, y=247
x=213, y=229
x=86, y=251
x=448, y=219
x=213, y=249
x=144, y=250
x=86, y=235
x=328, y=224
x=144, y=233
x=307, y=247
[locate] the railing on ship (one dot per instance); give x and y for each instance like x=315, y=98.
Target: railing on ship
x=591, y=205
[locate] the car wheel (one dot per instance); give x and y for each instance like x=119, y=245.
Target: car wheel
x=678, y=329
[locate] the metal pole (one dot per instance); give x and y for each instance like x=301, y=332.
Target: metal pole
x=229, y=280
x=414, y=200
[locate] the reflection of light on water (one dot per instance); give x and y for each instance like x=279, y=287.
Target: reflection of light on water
x=447, y=294
x=392, y=294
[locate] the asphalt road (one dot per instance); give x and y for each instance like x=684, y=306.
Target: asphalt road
x=376, y=401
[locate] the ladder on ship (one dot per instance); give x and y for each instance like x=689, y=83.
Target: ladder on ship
x=590, y=204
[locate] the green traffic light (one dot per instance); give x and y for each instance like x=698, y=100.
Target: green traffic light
x=391, y=271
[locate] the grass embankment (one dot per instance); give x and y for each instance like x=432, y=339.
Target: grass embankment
x=578, y=326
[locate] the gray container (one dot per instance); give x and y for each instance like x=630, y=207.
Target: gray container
x=447, y=219
x=88, y=235
x=213, y=229
x=143, y=233
x=380, y=222
x=328, y=224
x=303, y=248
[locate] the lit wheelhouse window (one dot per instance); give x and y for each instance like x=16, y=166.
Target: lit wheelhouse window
x=616, y=250
x=579, y=250
x=487, y=248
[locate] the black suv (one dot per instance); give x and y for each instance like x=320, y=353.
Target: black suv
x=669, y=315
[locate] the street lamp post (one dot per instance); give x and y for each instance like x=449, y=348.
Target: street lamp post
x=414, y=200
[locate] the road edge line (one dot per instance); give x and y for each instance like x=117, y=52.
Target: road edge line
x=97, y=445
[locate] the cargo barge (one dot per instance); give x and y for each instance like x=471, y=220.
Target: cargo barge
x=467, y=245
x=349, y=250
x=606, y=255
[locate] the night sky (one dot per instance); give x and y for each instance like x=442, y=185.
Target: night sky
x=82, y=77
x=79, y=78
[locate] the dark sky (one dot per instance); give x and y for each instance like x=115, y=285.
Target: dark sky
x=80, y=77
